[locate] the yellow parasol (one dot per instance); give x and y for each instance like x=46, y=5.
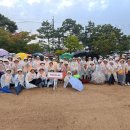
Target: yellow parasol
x=22, y=55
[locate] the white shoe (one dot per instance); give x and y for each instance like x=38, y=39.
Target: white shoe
x=54, y=88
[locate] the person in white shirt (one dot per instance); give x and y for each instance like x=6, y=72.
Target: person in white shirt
x=19, y=78
x=52, y=81
x=122, y=69
x=6, y=79
x=66, y=79
x=112, y=73
x=30, y=79
x=128, y=73
x=42, y=76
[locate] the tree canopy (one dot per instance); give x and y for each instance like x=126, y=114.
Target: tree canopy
x=71, y=35
x=7, y=24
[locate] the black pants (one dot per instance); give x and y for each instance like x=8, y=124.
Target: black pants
x=128, y=77
x=36, y=81
x=111, y=80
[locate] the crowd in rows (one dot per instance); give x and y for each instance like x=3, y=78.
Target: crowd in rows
x=32, y=72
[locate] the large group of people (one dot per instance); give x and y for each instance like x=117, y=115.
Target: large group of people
x=32, y=72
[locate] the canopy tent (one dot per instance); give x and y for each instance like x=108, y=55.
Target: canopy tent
x=85, y=54
x=3, y=53
x=66, y=55
x=22, y=55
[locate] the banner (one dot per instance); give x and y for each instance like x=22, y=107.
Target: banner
x=55, y=75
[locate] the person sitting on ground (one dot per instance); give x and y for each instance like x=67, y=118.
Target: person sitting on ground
x=7, y=79
x=2, y=68
x=19, y=79
x=42, y=76
x=66, y=79
x=30, y=79
x=52, y=81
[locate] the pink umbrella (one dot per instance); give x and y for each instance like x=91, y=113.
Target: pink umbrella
x=3, y=53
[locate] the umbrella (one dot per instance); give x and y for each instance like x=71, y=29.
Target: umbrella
x=66, y=55
x=22, y=55
x=76, y=84
x=85, y=53
x=38, y=54
x=3, y=53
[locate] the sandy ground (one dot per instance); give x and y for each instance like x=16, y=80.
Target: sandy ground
x=96, y=108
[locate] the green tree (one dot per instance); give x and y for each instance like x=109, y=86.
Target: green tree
x=33, y=48
x=46, y=31
x=7, y=24
x=72, y=43
x=85, y=36
x=106, y=39
x=71, y=27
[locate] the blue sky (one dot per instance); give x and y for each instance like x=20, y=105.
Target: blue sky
x=28, y=14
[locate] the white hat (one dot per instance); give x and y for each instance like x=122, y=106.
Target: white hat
x=61, y=60
x=99, y=61
x=69, y=72
x=110, y=57
x=5, y=60
x=66, y=63
x=42, y=62
x=15, y=59
x=19, y=70
x=52, y=69
x=91, y=63
x=8, y=69
x=50, y=62
x=41, y=69
x=32, y=69
x=105, y=60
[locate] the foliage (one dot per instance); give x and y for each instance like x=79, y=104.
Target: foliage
x=59, y=52
x=7, y=24
x=72, y=43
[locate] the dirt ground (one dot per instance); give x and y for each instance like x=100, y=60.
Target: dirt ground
x=96, y=108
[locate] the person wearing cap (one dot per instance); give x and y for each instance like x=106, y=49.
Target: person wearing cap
x=128, y=73
x=42, y=76
x=6, y=64
x=6, y=79
x=98, y=77
x=46, y=60
x=30, y=79
x=122, y=70
x=30, y=64
x=25, y=66
x=10, y=58
x=66, y=79
x=112, y=73
x=91, y=69
x=19, y=78
x=85, y=72
x=16, y=66
x=55, y=63
x=36, y=63
x=2, y=68
x=89, y=60
x=42, y=65
x=74, y=65
x=105, y=69
x=65, y=68
x=51, y=66
x=52, y=81
x=60, y=66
